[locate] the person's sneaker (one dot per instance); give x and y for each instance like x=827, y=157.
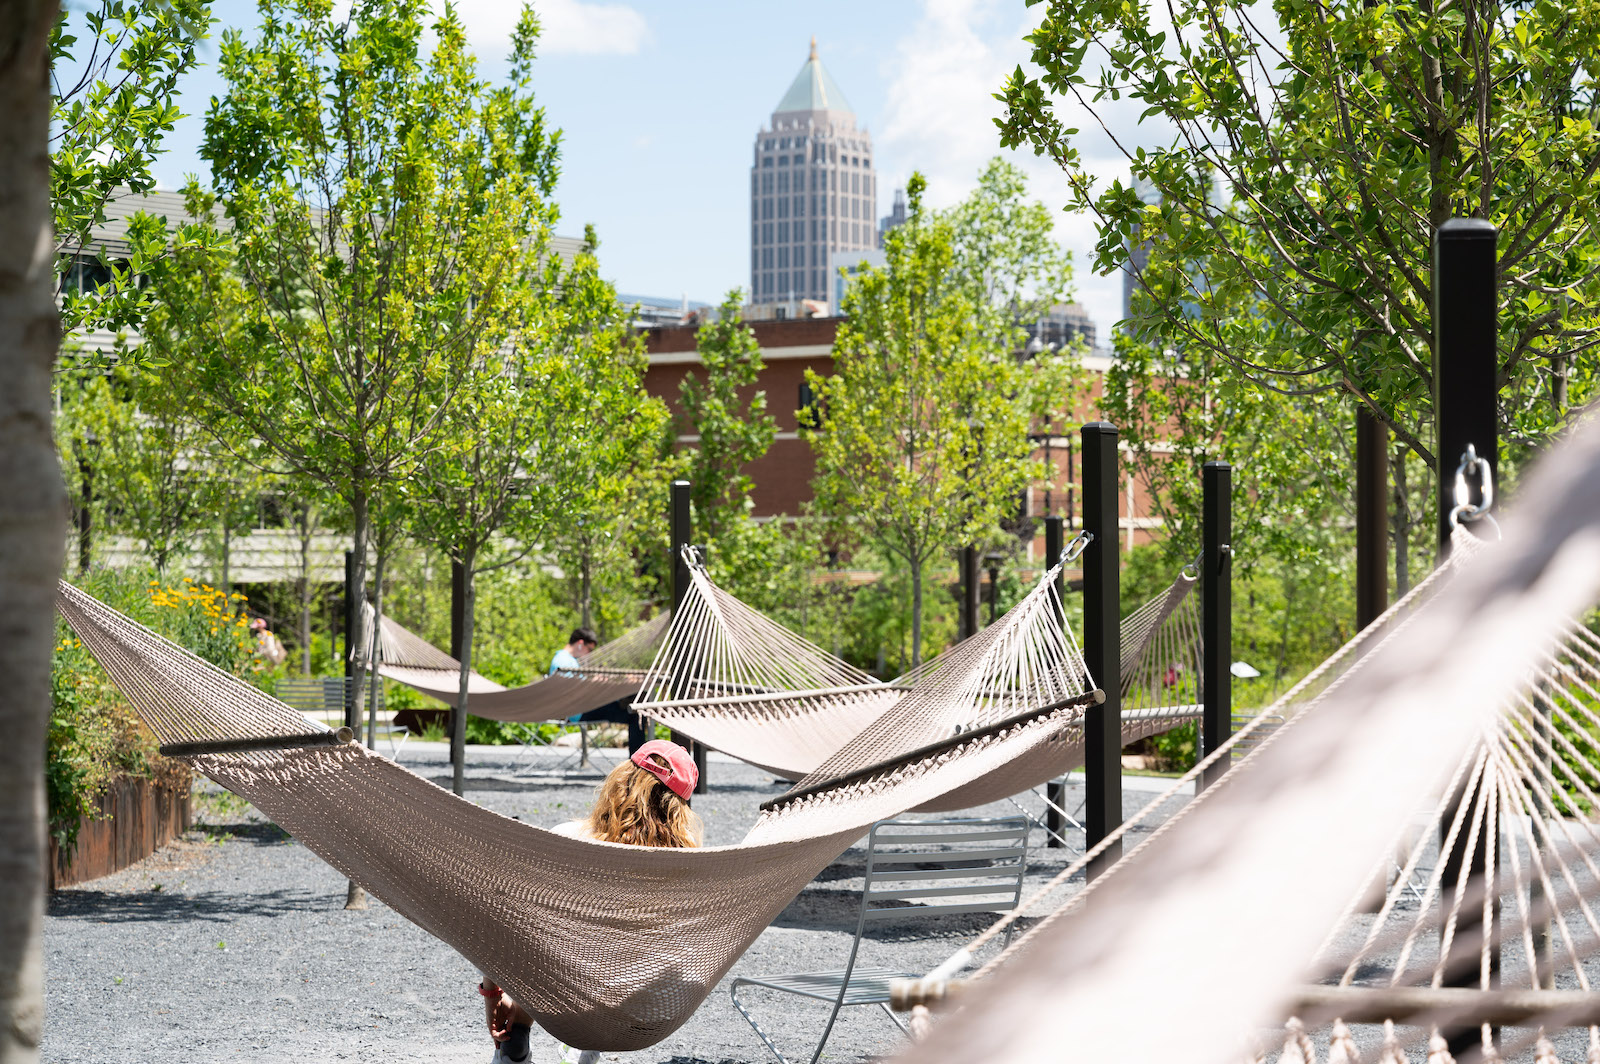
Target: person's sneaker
x=567, y=1055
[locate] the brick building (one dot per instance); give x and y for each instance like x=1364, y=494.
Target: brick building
x=783, y=476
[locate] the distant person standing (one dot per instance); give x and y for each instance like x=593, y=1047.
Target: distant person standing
x=580, y=644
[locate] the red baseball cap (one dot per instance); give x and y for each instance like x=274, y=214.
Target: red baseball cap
x=680, y=775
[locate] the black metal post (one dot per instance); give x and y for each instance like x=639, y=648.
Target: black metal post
x=1055, y=792
x=1464, y=366
x=969, y=592
x=682, y=536
x=1102, y=641
x=352, y=621
x=992, y=563
x=1216, y=613
x=1372, y=518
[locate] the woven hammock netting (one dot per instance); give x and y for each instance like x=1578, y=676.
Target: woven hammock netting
x=1425, y=818
x=613, y=671
x=575, y=929
x=739, y=682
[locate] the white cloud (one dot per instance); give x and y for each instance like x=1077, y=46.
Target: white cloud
x=569, y=27
x=943, y=75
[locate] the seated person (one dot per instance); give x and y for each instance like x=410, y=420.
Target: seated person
x=580, y=644
x=643, y=802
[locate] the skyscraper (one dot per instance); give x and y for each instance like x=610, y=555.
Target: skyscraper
x=812, y=190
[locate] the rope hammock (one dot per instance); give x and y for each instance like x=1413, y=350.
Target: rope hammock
x=1467, y=712
x=612, y=671
x=739, y=682
x=575, y=929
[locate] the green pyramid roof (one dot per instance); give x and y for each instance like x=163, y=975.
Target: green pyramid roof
x=813, y=90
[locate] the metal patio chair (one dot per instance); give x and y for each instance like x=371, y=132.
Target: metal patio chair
x=916, y=869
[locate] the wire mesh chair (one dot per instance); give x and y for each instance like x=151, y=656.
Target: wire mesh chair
x=916, y=869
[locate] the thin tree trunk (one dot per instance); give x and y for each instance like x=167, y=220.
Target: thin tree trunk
x=85, y=517
x=375, y=686
x=586, y=590
x=1402, y=527
x=305, y=590
x=458, y=716
x=33, y=525
x=355, y=895
x=227, y=543
x=916, y=614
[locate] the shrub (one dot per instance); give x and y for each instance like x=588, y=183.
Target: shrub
x=95, y=737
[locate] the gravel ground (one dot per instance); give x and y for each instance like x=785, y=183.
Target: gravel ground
x=233, y=944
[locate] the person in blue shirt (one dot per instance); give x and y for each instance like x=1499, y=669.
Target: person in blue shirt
x=579, y=644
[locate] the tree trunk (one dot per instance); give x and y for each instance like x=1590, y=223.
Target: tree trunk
x=304, y=589
x=458, y=716
x=586, y=590
x=85, y=517
x=375, y=686
x=227, y=543
x=33, y=525
x=355, y=895
x=916, y=614
x=1402, y=526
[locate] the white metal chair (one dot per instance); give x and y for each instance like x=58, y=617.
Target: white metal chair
x=915, y=869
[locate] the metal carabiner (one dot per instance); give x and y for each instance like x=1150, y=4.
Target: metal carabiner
x=1070, y=552
x=1478, y=467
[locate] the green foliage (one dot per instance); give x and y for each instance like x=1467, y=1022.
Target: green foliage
x=731, y=422
x=921, y=435
x=95, y=736
x=114, y=89
x=1289, y=208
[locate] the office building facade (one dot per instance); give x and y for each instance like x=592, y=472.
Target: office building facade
x=813, y=190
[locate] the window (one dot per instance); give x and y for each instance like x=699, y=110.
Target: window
x=766, y=163
x=766, y=183
x=855, y=184
x=783, y=160
x=755, y=184
x=783, y=260
x=783, y=232
x=814, y=228
x=766, y=208
x=755, y=260
x=835, y=174
x=783, y=207
x=784, y=144
x=768, y=144
x=766, y=283
x=766, y=233
x=813, y=203
x=799, y=206
x=783, y=181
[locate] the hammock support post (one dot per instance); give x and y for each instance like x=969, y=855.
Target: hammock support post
x=682, y=535
x=1055, y=792
x=1216, y=614
x=1102, y=641
x=1464, y=368
x=1372, y=518
x=969, y=592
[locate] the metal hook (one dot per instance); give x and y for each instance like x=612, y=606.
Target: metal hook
x=1478, y=467
x=1071, y=551
x=1192, y=570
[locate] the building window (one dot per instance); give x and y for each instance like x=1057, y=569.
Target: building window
x=814, y=229
x=783, y=207
x=784, y=143
x=783, y=258
x=783, y=181
x=766, y=283
x=766, y=208
x=855, y=184
x=783, y=232
x=766, y=233
x=766, y=258
x=783, y=160
x=766, y=183
x=766, y=163
x=799, y=206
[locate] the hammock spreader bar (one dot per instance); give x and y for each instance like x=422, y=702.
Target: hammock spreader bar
x=255, y=743
x=1095, y=697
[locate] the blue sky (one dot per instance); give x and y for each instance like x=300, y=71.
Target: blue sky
x=659, y=103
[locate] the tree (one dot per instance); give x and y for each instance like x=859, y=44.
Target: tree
x=1290, y=211
x=32, y=522
x=114, y=103
x=143, y=453
x=556, y=408
x=381, y=208
x=731, y=432
x=921, y=435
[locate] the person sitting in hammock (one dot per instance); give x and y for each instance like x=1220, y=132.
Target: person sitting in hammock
x=644, y=801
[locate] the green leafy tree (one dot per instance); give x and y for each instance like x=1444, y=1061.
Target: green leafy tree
x=922, y=436
x=115, y=72
x=732, y=431
x=145, y=458
x=1290, y=206
x=555, y=412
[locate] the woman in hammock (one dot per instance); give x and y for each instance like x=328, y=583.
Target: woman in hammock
x=643, y=802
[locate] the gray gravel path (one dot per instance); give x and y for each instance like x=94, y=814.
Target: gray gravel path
x=233, y=944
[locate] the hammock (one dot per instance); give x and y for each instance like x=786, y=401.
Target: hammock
x=740, y=682
x=575, y=928
x=612, y=672
x=1467, y=711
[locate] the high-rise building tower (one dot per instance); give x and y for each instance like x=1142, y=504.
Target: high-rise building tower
x=813, y=191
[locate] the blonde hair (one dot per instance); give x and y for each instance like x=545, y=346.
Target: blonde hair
x=635, y=807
